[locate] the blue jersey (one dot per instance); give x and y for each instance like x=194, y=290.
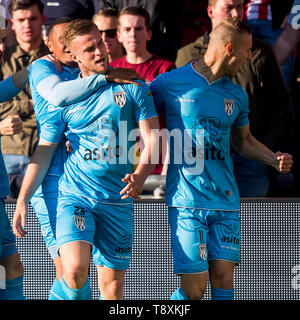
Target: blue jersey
x=102, y=131
x=40, y=70
x=8, y=91
x=191, y=105
x=50, y=89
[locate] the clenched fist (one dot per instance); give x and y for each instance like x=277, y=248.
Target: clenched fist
x=11, y=125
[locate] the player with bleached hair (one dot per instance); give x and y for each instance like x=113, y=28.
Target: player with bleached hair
x=204, y=208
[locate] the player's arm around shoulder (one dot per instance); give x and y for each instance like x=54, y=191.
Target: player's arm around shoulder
x=243, y=141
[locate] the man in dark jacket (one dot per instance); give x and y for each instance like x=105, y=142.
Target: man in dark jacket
x=269, y=100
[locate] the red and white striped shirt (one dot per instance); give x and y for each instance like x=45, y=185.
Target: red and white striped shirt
x=257, y=9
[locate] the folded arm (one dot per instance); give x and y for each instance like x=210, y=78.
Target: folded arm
x=250, y=148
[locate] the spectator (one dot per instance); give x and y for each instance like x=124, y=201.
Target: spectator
x=268, y=96
x=134, y=32
x=4, y=15
x=284, y=45
x=27, y=20
x=107, y=22
x=290, y=37
x=166, y=23
x=266, y=18
x=69, y=8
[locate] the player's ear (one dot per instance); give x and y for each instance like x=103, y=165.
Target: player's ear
x=75, y=57
x=210, y=12
x=11, y=22
x=119, y=36
x=229, y=49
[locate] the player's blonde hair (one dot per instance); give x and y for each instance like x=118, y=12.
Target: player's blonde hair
x=75, y=28
x=229, y=30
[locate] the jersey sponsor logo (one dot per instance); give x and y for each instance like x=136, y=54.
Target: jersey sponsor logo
x=126, y=242
x=120, y=98
x=209, y=153
x=211, y=126
x=228, y=106
x=232, y=228
x=126, y=238
x=231, y=239
x=123, y=249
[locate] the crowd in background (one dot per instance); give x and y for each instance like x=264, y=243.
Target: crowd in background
x=178, y=31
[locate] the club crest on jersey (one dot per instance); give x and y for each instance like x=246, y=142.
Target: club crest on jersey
x=80, y=223
x=202, y=251
x=120, y=98
x=228, y=106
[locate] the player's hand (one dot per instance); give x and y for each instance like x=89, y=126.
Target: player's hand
x=19, y=220
x=11, y=125
x=284, y=162
x=68, y=146
x=123, y=75
x=134, y=186
x=52, y=58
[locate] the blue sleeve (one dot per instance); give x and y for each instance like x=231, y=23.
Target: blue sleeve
x=144, y=102
x=52, y=86
x=158, y=88
x=242, y=119
x=8, y=89
x=53, y=129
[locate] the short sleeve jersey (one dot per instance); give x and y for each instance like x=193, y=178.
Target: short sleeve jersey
x=199, y=117
x=42, y=69
x=102, y=131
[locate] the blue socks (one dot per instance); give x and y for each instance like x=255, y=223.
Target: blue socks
x=179, y=295
x=222, y=294
x=13, y=290
x=84, y=293
x=216, y=294
x=56, y=291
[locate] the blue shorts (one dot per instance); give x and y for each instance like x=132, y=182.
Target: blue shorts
x=7, y=239
x=199, y=236
x=107, y=227
x=44, y=204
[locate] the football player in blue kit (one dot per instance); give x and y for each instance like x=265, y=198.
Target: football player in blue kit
x=9, y=256
x=204, y=206
x=95, y=206
x=53, y=88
